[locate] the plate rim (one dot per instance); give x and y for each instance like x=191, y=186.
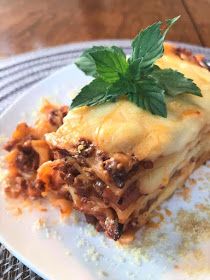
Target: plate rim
x=6, y=244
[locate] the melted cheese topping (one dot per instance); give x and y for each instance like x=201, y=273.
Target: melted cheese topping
x=124, y=127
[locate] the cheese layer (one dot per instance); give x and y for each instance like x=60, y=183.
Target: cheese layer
x=124, y=127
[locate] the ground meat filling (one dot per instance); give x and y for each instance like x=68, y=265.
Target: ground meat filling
x=85, y=148
x=131, y=195
x=35, y=189
x=110, y=226
x=99, y=186
x=9, y=146
x=121, y=171
x=15, y=143
x=113, y=228
x=109, y=196
x=116, y=171
x=25, y=188
x=56, y=116
x=93, y=221
x=68, y=172
x=74, y=171
x=147, y=164
x=27, y=159
x=60, y=153
x=83, y=189
x=87, y=185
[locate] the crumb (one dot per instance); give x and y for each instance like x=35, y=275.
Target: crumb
x=90, y=231
x=192, y=182
x=67, y=253
x=193, y=229
x=200, y=179
x=39, y=224
x=80, y=243
x=54, y=234
x=203, y=208
x=17, y=211
x=194, y=263
x=168, y=212
x=102, y=273
x=136, y=255
x=185, y=193
x=155, y=221
x=104, y=242
x=43, y=209
x=176, y=266
x=92, y=254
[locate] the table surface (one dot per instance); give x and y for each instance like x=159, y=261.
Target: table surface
x=30, y=25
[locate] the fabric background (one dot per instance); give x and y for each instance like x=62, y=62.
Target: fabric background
x=19, y=73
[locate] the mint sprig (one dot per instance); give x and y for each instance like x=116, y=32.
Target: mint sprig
x=174, y=82
x=138, y=78
x=150, y=97
x=92, y=94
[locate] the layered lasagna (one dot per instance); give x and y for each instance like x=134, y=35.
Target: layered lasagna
x=114, y=162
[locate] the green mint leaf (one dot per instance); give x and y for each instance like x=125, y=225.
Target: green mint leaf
x=99, y=91
x=119, y=51
x=104, y=62
x=135, y=69
x=86, y=63
x=91, y=94
x=174, y=82
x=121, y=87
x=169, y=23
x=148, y=44
x=95, y=49
x=110, y=64
x=150, y=97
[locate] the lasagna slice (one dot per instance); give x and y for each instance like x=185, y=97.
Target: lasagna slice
x=120, y=162
x=116, y=162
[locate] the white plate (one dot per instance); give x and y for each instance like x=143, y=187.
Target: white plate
x=72, y=251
